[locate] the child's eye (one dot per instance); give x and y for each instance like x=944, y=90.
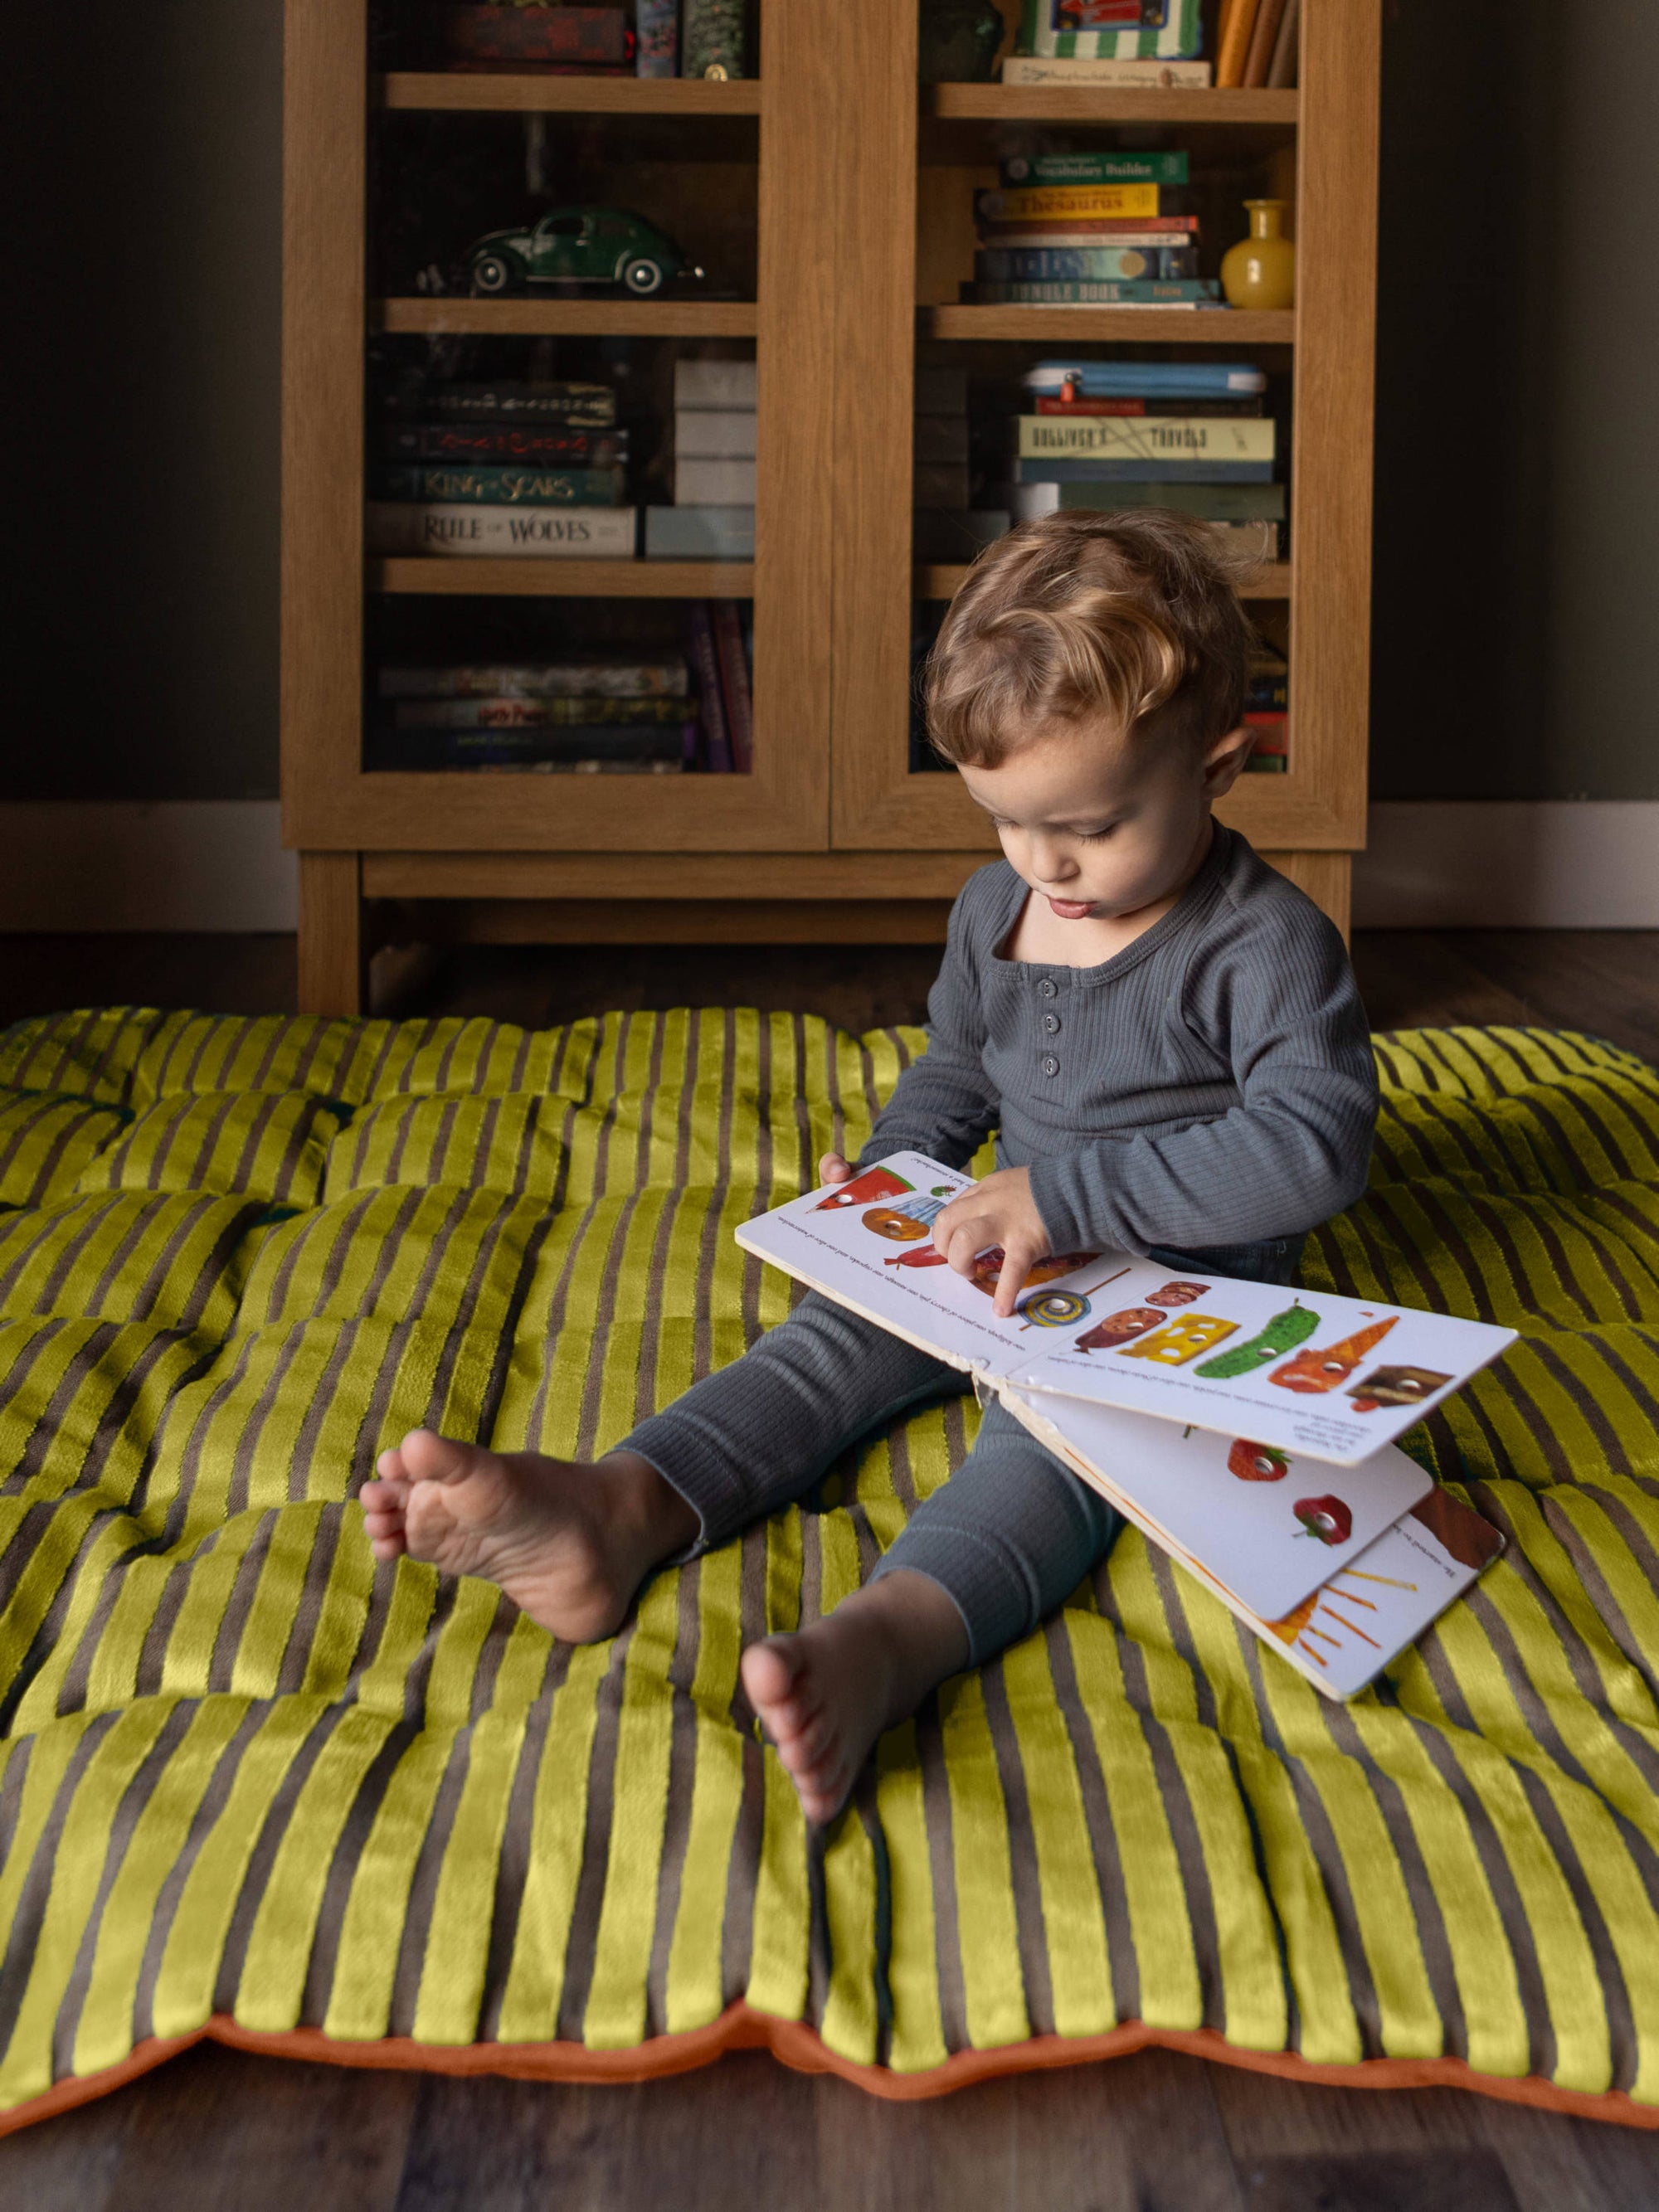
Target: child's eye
x=1095, y=836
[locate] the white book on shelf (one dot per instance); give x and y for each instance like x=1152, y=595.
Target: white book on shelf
x=700, y=383
x=457, y=529
x=714, y=433
x=713, y=484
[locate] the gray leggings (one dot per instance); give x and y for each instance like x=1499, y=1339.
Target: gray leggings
x=1008, y=1538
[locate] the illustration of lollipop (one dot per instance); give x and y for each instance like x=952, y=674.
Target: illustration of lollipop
x=1059, y=1309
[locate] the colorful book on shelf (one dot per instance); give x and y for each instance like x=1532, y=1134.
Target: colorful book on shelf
x=1159, y=469
x=1092, y=230
x=699, y=383
x=1237, y=20
x=1117, y=168
x=454, y=530
x=1187, y=1403
x=1123, y=76
x=1132, y=438
x=711, y=38
x=1184, y=380
x=704, y=656
x=488, y=32
x=1216, y=502
x=1263, y=40
x=654, y=742
x=1111, y=30
x=592, y=676
x=551, y=446
x=590, y=406
x=734, y=684
x=1199, y=292
x=1270, y=756
x=1112, y=264
x=1141, y=405
x=657, y=37
x=438, y=481
x=1054, y=203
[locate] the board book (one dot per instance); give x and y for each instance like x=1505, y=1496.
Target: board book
x=1211, y=1411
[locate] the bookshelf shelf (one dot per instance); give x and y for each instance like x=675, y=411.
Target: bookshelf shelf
x=1044, y=103
x=523, y=92
x=606, y=317
x=1147, y=325
x=937, y=581
x=564, y=580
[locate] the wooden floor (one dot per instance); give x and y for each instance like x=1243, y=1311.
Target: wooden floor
x=218, y=2132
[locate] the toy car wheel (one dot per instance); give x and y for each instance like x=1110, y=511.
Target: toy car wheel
x=642, y=277
x=492, y=274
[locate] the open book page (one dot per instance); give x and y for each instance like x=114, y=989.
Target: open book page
x=1305, y=1371
x=1265, y=1522
x=1368, y=1600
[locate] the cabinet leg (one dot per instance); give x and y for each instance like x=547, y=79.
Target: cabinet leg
x=331, y=959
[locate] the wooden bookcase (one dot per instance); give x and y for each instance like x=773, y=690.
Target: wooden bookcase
x=861, y=192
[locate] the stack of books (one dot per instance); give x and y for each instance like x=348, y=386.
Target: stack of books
x=1153, y=43
x=588, y=715
x=947, y=527
x=1257, y=43
x=537, y=468
x=719, y=641
x=712, y=517
x=1087, y=230
x=1267, y=710
x=1190, y=434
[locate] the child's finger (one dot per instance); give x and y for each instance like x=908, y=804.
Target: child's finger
x=833, y=1168
x=1018, y=1262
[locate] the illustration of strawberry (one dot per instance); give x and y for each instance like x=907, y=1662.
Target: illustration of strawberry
x=1327, y=1519
x=1257, y=1462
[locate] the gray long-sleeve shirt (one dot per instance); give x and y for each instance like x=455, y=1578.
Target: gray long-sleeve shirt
x=1212, y=1083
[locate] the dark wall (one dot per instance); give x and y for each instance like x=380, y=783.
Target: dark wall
x=1517, y=508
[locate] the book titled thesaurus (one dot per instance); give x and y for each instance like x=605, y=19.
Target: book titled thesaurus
x=1246, y=1428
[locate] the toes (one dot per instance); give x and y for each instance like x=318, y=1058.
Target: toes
x=427, y=1457
x=771, y=1671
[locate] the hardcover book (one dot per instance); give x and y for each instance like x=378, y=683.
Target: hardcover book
x=609, y=677
x=1216, y=502
x=1128, y=438
x=457, y=531
x=1025, y=203
x=1186, y=379
x=1112, y=30
x=1188, y=1403
x=592, y=406
x=1043, y=264
x=526, y=445
x=501, y=486
x=1093, y=169
x=1125, y=76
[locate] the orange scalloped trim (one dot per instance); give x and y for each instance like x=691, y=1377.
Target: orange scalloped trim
x=740, y=2028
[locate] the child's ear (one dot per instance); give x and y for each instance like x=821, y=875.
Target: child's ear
x=1224, y=761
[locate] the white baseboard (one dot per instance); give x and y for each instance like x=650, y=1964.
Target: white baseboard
x=219, y=865
x=1510, y=864
x=175, y=864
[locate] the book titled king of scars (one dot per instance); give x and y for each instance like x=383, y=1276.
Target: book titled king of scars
x=1298, y=1370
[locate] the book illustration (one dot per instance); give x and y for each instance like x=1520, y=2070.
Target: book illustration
x=1256, y=1463
x=1283, y=1333
x=1320, y=1368
x=987, y=1272
x=1471, y=1540
x=1180, y=1340
x=1117, y=1329
x=1395, y=1386
x=1166, y=1325
x=873, y=1184
x=1327, y=1520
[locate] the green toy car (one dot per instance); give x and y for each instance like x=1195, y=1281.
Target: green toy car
x=578, y=245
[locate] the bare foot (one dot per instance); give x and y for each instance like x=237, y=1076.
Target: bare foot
x=825, y=1694
x=569, y=1541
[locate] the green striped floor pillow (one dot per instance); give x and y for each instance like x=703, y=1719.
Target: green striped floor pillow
x=255, y=1787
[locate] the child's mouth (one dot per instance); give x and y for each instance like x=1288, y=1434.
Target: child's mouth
x=1071, y=909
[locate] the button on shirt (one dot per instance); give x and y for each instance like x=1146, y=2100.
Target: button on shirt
x=1218, y=1086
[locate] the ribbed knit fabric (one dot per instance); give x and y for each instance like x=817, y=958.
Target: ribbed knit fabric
x=1212, y=1084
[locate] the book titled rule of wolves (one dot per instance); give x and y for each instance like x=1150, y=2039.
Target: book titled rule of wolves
x=1245, y=1427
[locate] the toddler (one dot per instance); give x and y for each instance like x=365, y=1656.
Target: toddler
x=1167, y=1038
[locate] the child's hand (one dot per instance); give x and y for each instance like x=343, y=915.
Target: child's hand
x=833, y=1168
x=998, y=1211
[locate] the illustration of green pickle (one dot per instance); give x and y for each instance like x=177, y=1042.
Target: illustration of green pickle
x=1283, y=1333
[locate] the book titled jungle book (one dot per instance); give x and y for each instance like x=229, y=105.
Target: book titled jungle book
x=1187, y=1402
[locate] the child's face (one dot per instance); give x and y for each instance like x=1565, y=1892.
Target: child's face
x=1101, y=826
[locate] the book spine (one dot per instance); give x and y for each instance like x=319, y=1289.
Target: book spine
x=711, y=39
x=726, y=384
x=1263, y=38
x=657, y=35
x=1113, y=263
x=1149, y=75
x=714, y=433
x=1282, y=72
x=493, y=34
x=497, y=444
x=1092, y=230
x=593, y=407
x=734, y=685
x=1234, y=43
x=1026, y=203
x=480, y=747
x=705, y=662
x=1170, y=437
x=1144, y=468
x=457, y=532
x=1094, y=169
x=504, y=487
x=510, y=714
x=713, y=484
x=1109, y=380
x=1079, y=292
x=1142, y=404
x=1226, y=503
x=640, y=679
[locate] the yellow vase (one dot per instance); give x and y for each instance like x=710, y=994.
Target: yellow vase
x=1259, y=271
